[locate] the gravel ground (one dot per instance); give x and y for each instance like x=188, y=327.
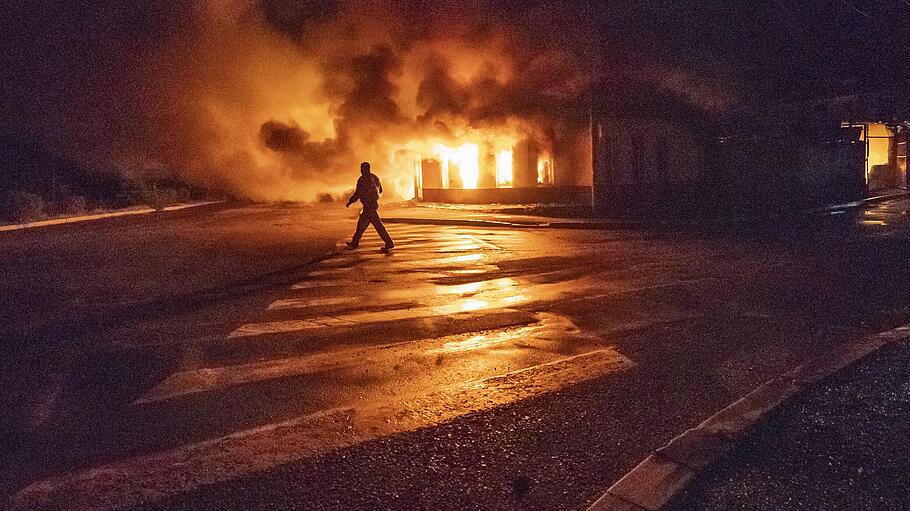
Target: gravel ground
x=845, y=445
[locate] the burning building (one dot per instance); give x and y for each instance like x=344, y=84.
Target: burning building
x=451, y=100
x=278, y=100
x=505, y=169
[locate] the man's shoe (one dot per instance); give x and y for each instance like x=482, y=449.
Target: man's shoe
x=389, y=246
x=350, y=245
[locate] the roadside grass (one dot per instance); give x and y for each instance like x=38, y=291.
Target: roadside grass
x=24, y=207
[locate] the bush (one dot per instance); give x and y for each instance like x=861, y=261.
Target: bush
x=159, y=198
x=26, y=207
x=75, y=205
x=325, y=197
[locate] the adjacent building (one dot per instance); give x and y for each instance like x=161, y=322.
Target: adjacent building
x=655, y=155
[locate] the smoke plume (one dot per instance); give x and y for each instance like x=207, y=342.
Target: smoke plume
x=278, y=99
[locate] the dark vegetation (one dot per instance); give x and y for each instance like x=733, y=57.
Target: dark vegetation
x=36, y=183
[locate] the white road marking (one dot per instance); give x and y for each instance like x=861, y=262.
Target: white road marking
x=149, y=478
x=294, y=325
x=310, y=284
x=500, y=284
x=97, y=216
x=304, y=303
x=331, y=271
x=487, y=268
x=414, y=293
x=401, y=246
x=459, y=306
x=193, y=381
x=153, y=477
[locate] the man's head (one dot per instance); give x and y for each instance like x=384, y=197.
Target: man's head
x=365, y=168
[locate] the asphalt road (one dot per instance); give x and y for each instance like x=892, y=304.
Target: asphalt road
x=210, y=359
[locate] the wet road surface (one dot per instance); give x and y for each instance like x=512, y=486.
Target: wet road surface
x=470, y=368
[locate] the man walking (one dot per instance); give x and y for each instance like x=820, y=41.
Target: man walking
x=368, y=190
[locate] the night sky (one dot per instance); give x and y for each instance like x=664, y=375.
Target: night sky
x=776, y=46
x=85, y=79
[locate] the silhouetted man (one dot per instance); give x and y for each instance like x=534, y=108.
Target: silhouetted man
x=368, y=190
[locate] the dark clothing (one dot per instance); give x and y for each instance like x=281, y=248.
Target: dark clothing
x=367, y=191
x=370, y=216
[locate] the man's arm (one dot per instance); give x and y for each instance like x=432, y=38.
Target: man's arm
x=378, y=184
x=355, y=196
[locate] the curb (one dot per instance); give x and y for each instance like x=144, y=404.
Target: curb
x=592, y=225
x=616, y=224
x=835, y=208
x=463, y=223
x=654, y=483
x=99, y=216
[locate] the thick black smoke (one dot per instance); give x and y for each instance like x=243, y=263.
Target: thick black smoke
x=281, y=99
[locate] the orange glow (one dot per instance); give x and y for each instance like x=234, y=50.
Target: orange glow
x=465, y=158
x=545, y=171
x=475, y=158
x=879, y=145
x=504, y=168
x=473, y=305
x=499, y=285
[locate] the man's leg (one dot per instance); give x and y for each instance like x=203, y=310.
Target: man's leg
x=380, y=229
x=362, y=222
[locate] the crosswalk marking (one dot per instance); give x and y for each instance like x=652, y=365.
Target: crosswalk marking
x=293, y=303
x=293, y=325
x=499, y=284
x=457, y=262
x=315, y=284
x=433, y=272
x=383, y=296
x=546, y=330
x=156, y=476
x=401, y=247
x=479, y=296
x=297, y=325
x=487, y=268
x=331, y=271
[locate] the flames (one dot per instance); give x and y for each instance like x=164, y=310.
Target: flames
x=463, y=166
x=294, y=116
x=493, y=158
x=461, y=163
x=504, y=169
x=283, y=100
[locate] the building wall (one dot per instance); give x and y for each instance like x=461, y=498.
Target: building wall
x=832, y=172
x=644, y=166
x=572, y=157
x=771, y=175
x=540, y=194
x=653, y=167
